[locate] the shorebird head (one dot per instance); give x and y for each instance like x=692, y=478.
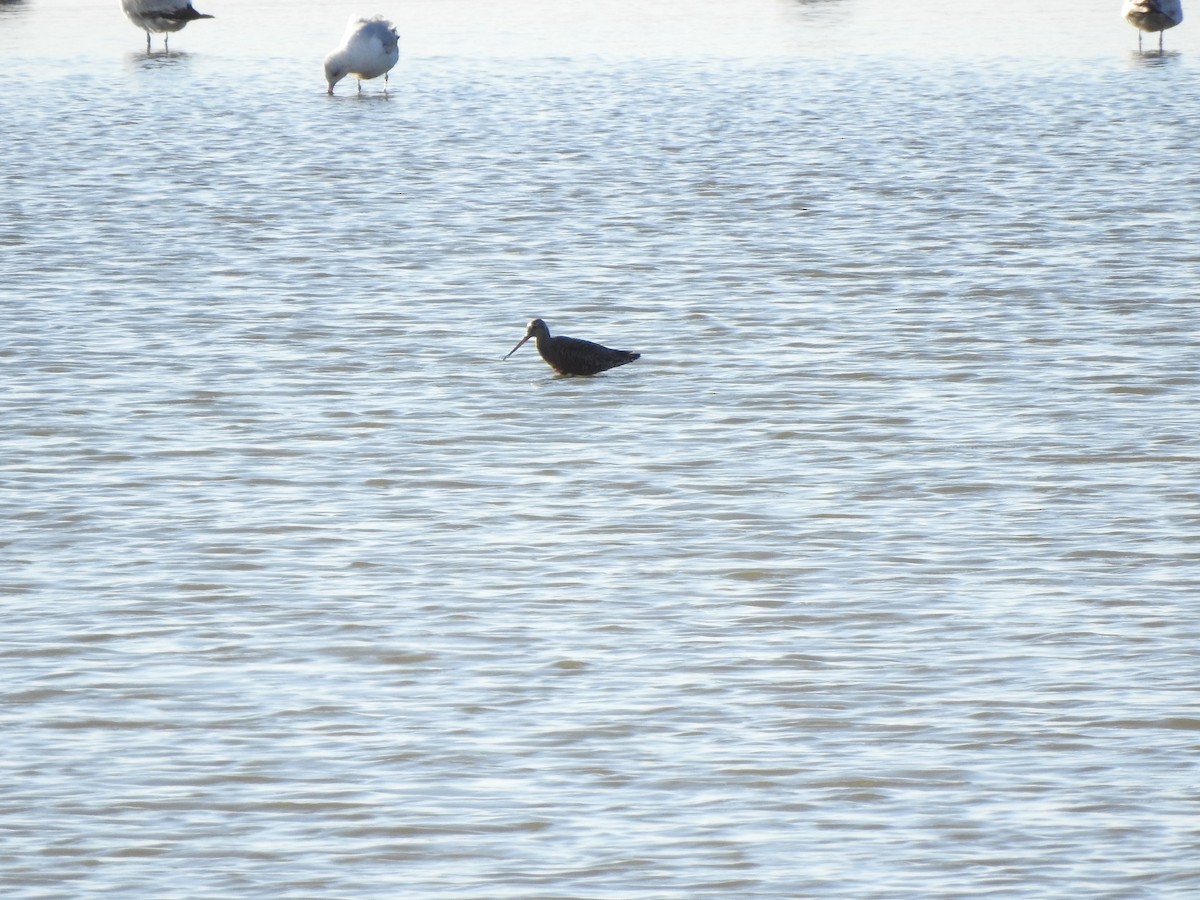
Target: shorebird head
x=535, y=328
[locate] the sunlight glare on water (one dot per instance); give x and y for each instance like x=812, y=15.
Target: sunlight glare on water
x=875, y=575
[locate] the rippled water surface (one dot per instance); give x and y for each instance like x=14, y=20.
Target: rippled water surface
x=876, y=576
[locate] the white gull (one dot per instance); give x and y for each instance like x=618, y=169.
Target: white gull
x=1152, y=15
x=160, y=16
x=369, y=49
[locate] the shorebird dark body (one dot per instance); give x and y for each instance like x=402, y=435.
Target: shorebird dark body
x=572, y=356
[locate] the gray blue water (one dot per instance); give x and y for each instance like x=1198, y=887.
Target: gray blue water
x=876, y=576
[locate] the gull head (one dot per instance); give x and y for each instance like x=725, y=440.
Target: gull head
x=334, y=72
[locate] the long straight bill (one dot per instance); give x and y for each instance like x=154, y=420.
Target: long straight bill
x=518, y=347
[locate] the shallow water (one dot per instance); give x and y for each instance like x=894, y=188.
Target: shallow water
x=876, y=575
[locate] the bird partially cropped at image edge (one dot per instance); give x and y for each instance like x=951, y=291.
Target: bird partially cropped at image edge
x=161, y=16
x=1151, y=16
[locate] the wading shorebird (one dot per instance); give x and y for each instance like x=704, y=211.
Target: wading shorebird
x=370, y=47
x=160, y=16
x=1152, y=15
x=571, y=356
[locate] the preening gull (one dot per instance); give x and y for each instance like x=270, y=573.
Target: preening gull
x=1152, y=15
x=160, y=16
x=369, y=49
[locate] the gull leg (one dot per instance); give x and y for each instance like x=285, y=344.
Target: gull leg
x=147, y=43
x=166, y=44
x=360, y=85
x=1160, y=34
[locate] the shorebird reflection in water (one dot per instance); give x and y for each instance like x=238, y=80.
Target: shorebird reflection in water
x=571, y=356
x=1152, y=15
